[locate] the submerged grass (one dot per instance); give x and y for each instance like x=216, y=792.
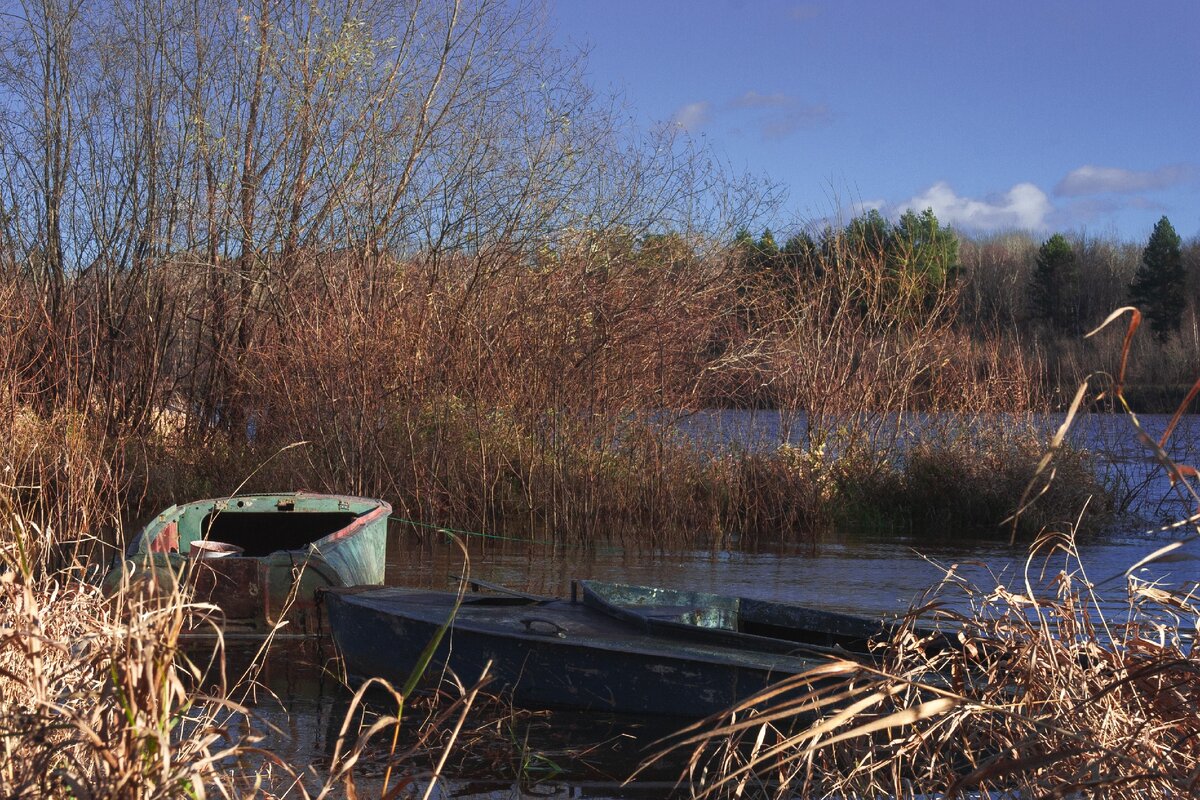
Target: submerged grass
x=969, y=483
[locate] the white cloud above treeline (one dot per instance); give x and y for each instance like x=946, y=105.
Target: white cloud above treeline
x=692, y=116
x=1091, y=179
x=1023, y=206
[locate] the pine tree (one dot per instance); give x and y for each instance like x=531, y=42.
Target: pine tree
x=766, y=252
x=1054, y=286
x=919, y=244
x=802, y=257
x=1158, y=287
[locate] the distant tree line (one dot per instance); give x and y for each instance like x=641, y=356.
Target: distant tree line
x=1158, y=289
x=1040, y=295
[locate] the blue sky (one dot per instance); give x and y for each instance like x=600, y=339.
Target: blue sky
x=1043, y=116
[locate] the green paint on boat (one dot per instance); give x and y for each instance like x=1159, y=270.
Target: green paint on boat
x=261, y=558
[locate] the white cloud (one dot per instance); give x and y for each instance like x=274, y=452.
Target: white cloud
x=1090, y=179
x=1022, y=206
x=863, y=206
x=692, y=116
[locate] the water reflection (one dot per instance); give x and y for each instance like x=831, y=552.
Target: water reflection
x=867, y=575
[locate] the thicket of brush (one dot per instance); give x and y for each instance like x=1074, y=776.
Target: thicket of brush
x=1060, y=683
x=415, y=240
x=539, y=402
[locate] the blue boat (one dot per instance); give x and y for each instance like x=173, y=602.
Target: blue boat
x=741, y=622
x=549, y=653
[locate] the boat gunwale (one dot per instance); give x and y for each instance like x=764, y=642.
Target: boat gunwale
x=141, y=545
x=593, y=594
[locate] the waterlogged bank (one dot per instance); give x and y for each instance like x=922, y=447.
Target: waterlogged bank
x=859, y=573
x=862, y=572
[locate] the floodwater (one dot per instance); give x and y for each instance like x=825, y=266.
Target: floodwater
x=868, y=574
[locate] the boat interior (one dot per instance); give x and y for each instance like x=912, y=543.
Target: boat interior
x=743, y=616
x=757, y=620
x=259, y=524
x=260, y=533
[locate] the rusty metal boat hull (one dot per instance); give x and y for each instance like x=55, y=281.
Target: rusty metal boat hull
x=546, y=653
x=290, y=546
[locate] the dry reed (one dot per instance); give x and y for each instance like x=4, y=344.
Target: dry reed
x=1044, y=689
x=105, y=692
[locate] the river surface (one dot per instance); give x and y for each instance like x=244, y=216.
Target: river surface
x=852, y=571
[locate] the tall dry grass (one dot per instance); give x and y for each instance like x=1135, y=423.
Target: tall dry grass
x=1061, y=684
x=111, y=695
x=97, y=695
x=488, y=392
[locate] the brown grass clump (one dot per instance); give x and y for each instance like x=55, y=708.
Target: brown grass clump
x=97, y=696
x=967, y=482
x=108, y=697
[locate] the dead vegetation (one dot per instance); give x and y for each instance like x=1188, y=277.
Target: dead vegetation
x=415, y=239
x=1067, y=684
x=110, y=695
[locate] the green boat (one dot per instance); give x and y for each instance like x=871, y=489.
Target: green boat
x=261, y=558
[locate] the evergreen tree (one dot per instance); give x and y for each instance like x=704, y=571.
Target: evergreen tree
x=665, y=251
x=801, y=257
x=766, y=252
x=743, y=243
x=1054, y=285
x=868, y=234
x=1158, y=287
x=919, y=245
